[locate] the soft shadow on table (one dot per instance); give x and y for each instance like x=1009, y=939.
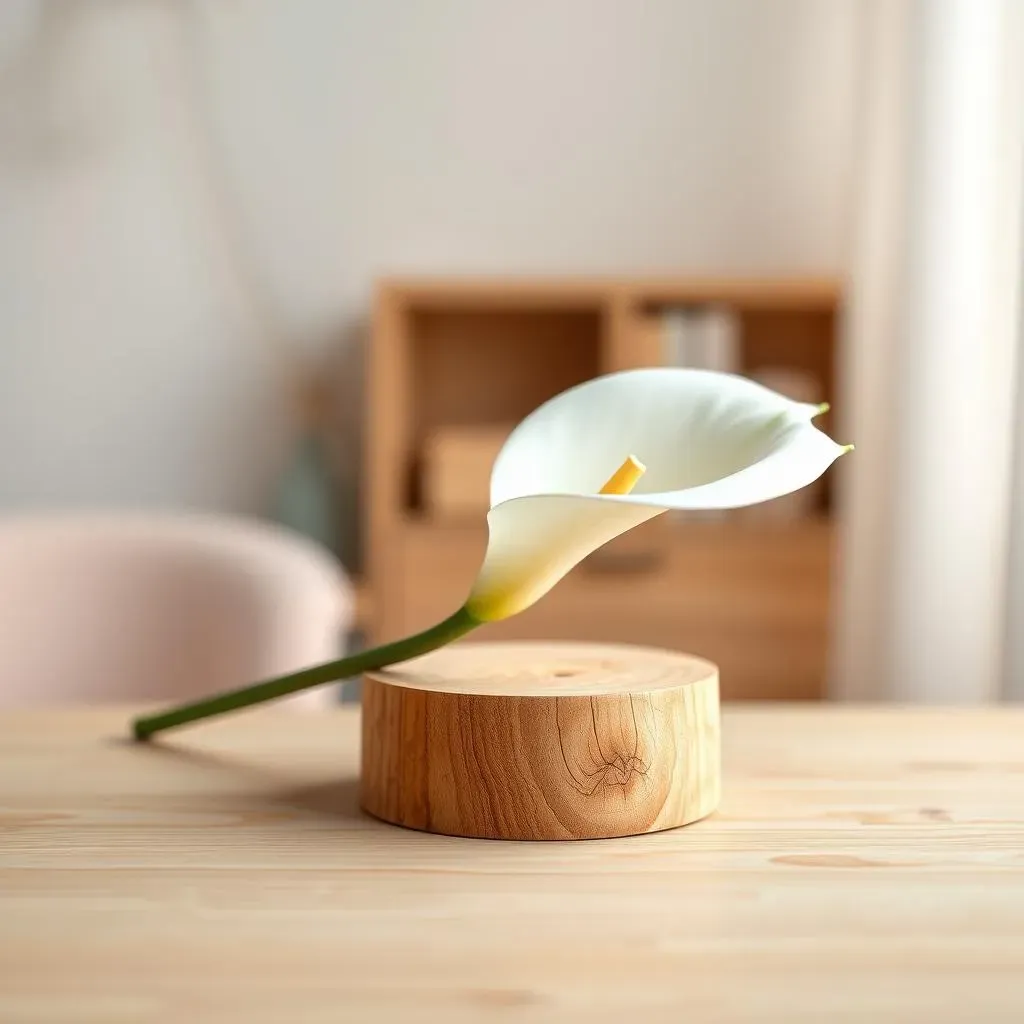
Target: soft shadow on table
x=336, y=799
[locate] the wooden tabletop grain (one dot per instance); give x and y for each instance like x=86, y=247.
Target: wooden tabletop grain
x=865, y=865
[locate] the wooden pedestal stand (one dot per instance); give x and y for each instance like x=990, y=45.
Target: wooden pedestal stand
x=542, y=741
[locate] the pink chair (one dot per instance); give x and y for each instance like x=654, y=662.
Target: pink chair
x=150, y=607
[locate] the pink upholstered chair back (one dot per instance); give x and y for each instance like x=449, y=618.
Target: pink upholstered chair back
x=136, y=608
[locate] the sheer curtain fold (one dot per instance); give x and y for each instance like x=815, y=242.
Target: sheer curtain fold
x=931, y=349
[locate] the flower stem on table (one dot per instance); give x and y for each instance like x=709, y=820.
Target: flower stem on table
x=455, y=626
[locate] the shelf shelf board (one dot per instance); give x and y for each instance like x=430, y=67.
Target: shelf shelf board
x=804, y=293
x=497, y=294
x=753, y=293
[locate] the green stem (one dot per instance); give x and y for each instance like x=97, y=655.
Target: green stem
x=365, y=661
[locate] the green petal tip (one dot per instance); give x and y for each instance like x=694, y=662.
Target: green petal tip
x=823, y=408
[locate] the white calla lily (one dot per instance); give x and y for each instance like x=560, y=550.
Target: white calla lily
x=709, y=440
x=567, y=481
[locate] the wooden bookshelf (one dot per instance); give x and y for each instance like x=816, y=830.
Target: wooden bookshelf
x=750, y=592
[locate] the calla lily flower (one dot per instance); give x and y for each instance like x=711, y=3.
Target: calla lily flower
x=708, y=440
x=583, y=468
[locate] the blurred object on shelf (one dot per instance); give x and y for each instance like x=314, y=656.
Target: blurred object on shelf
x=801, y=387
x=674, y=327
x=305, y=498
x=719, y=343
x=702, y=338
x=456, y=472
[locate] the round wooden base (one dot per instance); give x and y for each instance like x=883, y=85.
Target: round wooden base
x=542, y=741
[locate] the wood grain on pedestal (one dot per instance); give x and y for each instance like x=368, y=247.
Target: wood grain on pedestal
x=542, y=741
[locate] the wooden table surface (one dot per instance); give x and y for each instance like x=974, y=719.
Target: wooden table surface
x=865, y=865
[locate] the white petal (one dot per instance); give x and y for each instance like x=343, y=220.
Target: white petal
x=708, y=439
x=693, y=429
x=799, y=454
x=535, y=541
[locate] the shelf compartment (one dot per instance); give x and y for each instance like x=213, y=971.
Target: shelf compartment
x=752, y=598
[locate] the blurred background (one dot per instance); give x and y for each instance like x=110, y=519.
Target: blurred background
x=296, y=269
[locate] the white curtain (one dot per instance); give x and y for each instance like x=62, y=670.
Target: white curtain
x=925, y=600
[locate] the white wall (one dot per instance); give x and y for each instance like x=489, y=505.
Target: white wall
x=358, y=138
